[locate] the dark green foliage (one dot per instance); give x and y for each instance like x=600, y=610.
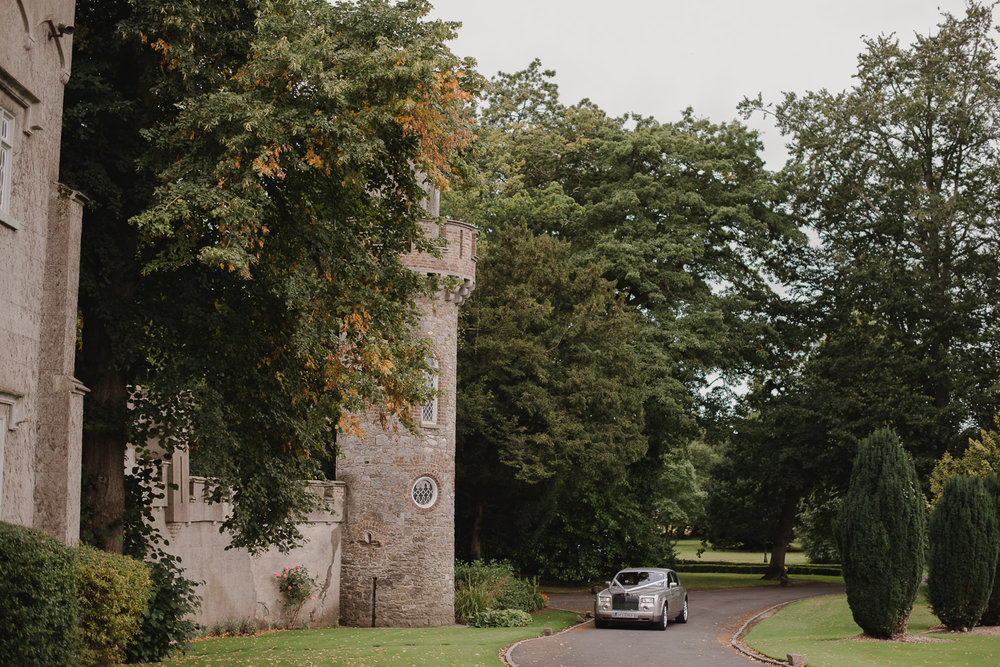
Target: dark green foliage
x=814, y=531
x=166, y=626
x=483, y=586
x=38, y=602
x=550, y=408
x=112, y=591
x=579, y=397
x=880, y=534
x=897, y=177
x=500, y=618
x=992, y=614
x=963, y=552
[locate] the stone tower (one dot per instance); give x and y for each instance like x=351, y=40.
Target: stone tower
x=398, y=546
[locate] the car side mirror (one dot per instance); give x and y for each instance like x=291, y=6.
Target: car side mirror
x=608, y=584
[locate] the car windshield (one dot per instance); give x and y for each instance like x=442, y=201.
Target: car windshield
x=634, y=578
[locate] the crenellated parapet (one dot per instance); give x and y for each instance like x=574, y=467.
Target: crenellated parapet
x=456, y=260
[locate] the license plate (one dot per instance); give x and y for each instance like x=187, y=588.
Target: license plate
x=625, y=614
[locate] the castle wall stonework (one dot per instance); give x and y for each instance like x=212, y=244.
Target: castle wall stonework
x=398, y=557
x=41, y=404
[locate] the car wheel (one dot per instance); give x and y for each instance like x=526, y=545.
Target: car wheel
x=663, y=618
x=683, y=617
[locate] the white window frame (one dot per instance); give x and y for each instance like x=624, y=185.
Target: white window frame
x=7, y=131
x=434, y=491
x=429, y=410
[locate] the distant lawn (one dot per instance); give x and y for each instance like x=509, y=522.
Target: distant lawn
x=817, y=628
x=688, y=550
x=704, y=581
x=457, y=646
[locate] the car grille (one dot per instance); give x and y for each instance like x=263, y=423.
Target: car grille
x=624, y=601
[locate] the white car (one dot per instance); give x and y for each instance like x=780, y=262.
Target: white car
x=642, y=595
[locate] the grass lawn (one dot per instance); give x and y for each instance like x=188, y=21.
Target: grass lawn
x=703, y=581
x=369, y=646
x=817, y=628
x=688, y=550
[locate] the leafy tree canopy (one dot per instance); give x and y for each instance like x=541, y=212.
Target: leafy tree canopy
x=252, y=170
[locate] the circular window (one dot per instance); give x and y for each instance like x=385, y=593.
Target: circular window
x=425, y=492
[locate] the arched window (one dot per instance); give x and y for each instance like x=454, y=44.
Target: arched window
x=429, y=410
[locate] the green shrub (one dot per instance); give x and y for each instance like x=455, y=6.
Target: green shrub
x=963, y=552
x=38, y=605
x=500, y=618
x=482, y=586
x=814, y=531
x=166, y=625
x=880, y=534
x=112, y=592
x=233, y=627
x=992, y=614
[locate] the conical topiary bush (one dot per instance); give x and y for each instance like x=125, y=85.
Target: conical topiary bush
x=992, y=614
x=880, y=533
x=963, y=552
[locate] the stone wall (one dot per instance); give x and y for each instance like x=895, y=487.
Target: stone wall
x=235, y=585
x=40, y=402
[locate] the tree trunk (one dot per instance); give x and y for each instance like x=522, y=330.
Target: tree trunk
x=104, y=440
x=475, y=540
x=783, y=538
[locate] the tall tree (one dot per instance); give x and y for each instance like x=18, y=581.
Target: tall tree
x=678, y=217
x=549, y=403
x=253, y=187
x=889, y=321
x=898, y=176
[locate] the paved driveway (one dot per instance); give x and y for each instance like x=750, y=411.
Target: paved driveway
x=704, y=640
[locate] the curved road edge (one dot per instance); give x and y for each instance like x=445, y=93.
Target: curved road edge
x=505, y=654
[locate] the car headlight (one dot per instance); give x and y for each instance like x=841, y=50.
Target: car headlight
x=646, y=602
x=604, y=601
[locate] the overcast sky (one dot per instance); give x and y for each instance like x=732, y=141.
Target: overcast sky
x=656, y=58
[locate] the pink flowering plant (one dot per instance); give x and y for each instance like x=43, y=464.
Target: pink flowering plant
x=296, y=587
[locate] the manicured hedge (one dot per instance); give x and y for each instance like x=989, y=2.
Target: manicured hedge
x=38, y=600
x=113, y=591
x=753, y=568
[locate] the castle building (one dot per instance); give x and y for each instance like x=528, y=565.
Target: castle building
x=398, y=548
x=41, y=404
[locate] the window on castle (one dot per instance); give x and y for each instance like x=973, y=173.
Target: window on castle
x=429, y=410
x=6, y=158
x=424, y=492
